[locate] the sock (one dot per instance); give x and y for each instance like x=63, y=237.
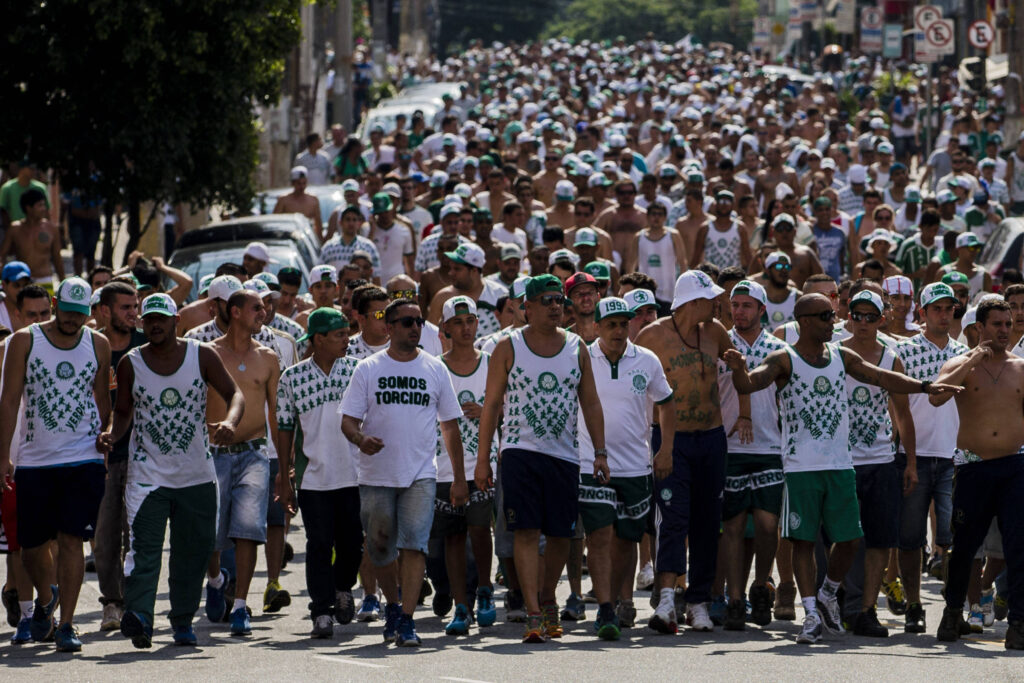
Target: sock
x=217, y=582
x=26, y=608
x=829, y=587
x=239, y=604
x=668, y=597
x=810, y=605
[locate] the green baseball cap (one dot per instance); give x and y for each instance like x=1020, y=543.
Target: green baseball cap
x=322, y=321
x=599, y=270
x=159, y=304
x=73, y=296
x=955, y=277
x=610, y=306
x=382, y=202
x=542, y=284
x=936, y=291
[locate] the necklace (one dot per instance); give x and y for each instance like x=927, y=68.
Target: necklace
x=241, y=360
x=995, y=378
x=700, y=357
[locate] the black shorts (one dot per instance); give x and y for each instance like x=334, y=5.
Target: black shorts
x=540, y=492
x=880, y=493
x=450, y=520
x=54, y=500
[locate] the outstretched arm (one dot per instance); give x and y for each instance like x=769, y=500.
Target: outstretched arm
x=893, y=382
x=955, y=370
x=775, y=367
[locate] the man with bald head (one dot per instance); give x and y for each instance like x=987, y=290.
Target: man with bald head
x=821, y=485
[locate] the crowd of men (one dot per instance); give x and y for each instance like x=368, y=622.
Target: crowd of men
x=664, y=314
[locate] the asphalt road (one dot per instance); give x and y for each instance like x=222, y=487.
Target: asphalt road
x=280, y=649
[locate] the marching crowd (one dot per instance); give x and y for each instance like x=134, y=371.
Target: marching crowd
x=662, y=316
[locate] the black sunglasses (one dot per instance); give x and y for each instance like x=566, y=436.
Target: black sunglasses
x=824, y=316
x=549, y=299
x=864, y=317
x=408, y=321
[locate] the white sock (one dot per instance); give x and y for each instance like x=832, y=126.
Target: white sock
x=217, y=582
x=668, y=597
x=829, y=587
x=26, y=608
x=239, y=604
x=810, y=605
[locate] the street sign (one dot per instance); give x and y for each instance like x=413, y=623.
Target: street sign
x=846, y=16
x=925, y=15
x=980, y=34
x=871, y=30
x=939, y=35
x=892, y=40
x=921, y=51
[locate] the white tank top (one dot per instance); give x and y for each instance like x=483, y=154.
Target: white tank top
x=541, y=399
x=61, y=420
x=722, y=248
x=780, y=314
x=815, y=417
x=468, y=389
x=1017, y=181
x=170, y=446
x=657, y=258
x=871, y=441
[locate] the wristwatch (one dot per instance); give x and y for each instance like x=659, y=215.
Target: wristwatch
x=600, y=453
x=924, y=386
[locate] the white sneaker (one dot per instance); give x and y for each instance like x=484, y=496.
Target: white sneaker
x=645, y=579
x=975, y=619
x=697, y=617
x=830, y=615
x=111, y=618
x=988, y=606
x=811, y=631
x=664, y=618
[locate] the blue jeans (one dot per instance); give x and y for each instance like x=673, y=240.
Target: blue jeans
x=934, y=484
x=397, y=518
x=243, y=484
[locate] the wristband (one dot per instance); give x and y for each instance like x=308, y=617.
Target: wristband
x=924, y=386
x=600, y=453
x=744, y=417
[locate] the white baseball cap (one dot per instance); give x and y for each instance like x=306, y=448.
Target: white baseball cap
x=776, y=257
x=468, y=254
x=258, y=286
x=565, y=190
x=159, y=304
x=350, y=185
x=612, y=305
x=223, y=286
x=870, y=297
x=751, y=289
x=563, y=255
x=898, y=284
x=857, y=174
x=457, y=305
x=449, y=209
x=299, y=172
x=693, y=285
x=73, y=295
x=258, y=251
x=638, y=298
x=323, y=273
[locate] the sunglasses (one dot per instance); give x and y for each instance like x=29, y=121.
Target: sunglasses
x=883, y=217
x=865, y=317
x=549, y=299
x=408, y=321
x=824, y=316
x=403, y=294
x=552, y=159
x=782, y=266
x=783, y=227
x=625, y=191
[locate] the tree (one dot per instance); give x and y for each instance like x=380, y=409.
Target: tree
x=463, y=21
x=668, y=20
x=143, y=100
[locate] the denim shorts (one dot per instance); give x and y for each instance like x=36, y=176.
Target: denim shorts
x=934, y=483
x=243, y=485
x=397, y=518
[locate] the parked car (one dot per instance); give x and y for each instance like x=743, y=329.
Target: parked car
x=288, y=238
x=329, y=196
x=1003, y=249
x=388, y=110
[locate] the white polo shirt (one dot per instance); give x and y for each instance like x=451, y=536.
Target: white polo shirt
x=628, y=388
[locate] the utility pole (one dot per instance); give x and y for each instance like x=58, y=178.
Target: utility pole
x=1015, y=61
x=341, y=95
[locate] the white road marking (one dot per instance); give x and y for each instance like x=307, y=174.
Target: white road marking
x=345, y=660
x=462, y=680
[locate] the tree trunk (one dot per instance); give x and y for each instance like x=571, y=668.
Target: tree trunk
x=134, y=229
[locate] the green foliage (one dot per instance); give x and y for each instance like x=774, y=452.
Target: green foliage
x=463, y=21
x=156, y=95
x=668, y=20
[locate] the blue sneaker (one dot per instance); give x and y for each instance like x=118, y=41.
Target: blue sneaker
x=369, y=610
x=459, y=625
x=407, y=632
x=717, y=610
x=486, y=612
x=66, y=639
x=43, y=624
x=392, y=615
x=216, y=605
x=134, y=626
x=23, y=634
x=184, y=635
x=240, y=625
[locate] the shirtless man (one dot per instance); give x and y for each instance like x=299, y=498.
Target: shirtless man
x=689, y=343
x=204, y=310
x=243, y=466
x=773, y=174
x=437, y=278
x=297, y=201
x=803, y=259
x=466, y=270
x=495, y=197
x=35, y=241
x=990, y=467
x=544, y=182
x=692, y=223
x=625, y=220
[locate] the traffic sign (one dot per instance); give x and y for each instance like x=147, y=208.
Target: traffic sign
x=925, y=15
x=871, y=18
x=939, y=35
x=922, y=53
x=980, y=34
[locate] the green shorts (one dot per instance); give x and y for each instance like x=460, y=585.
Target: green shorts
x=623, y=501
x=752, y=482
x=828, y=499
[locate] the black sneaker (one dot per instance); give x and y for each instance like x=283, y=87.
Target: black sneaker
x=288, y=556
x=10, y=600
x=761, y=605
x=914, y=620
x=426, y=590
x=866, y=624
x=952, y=625
x=736, y=615
x=442, y=604
x=1014, y=636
